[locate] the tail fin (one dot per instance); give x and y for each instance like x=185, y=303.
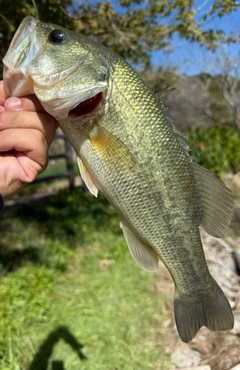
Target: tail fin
x=210, y=309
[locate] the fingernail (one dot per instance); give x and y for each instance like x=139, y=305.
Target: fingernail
x=12, y=103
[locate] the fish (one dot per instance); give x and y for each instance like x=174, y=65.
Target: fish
x=128, y=149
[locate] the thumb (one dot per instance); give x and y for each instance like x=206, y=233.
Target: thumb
x=29, y=103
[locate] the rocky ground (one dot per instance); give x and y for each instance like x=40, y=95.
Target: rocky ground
x=208, y=350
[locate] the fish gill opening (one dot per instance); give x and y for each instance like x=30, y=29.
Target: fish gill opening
x=87, y=106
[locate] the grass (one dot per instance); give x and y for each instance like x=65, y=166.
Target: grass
x=57, y=167
x=71, y=297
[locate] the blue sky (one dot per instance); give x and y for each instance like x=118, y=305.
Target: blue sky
x=190, y=58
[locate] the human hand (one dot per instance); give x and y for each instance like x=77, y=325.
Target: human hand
x=26, y=132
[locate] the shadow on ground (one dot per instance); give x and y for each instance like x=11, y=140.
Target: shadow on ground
x=42, y=358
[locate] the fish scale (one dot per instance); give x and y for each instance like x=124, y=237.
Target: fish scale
x=128, y=149
x=161, y=230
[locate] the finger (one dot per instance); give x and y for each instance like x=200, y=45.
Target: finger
x=28, y=103
x=18, y=120
x=31, y=143
x=2, y=93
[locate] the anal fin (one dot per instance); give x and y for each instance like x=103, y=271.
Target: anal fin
x=143, y=254
x=87, y=178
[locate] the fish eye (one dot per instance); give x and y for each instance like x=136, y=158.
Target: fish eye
x=57, y=36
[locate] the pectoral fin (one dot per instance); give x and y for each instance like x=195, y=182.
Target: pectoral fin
x=111, y=150
x=217, y=202
x=87, y=178
x=143, y=254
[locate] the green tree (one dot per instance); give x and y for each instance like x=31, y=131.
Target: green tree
x=132, y=28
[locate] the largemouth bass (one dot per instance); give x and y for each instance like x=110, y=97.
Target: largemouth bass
x=128, y=149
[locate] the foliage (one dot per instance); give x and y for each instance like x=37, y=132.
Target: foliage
x=131, y=28
x=215, y=148
x=66, y=273
x=223, y=94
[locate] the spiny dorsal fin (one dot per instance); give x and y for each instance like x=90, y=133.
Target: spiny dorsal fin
x=143, y=254
x=217, y=202
x=162, y=96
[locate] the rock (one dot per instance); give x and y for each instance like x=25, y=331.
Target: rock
x=236, y=258
x=237, y=367
x=215, y=350
x=209, y=350
x=222, y=266
x=184, y=357
x=205, y=367
x=236, y=328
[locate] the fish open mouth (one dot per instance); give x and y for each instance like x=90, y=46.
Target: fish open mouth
x=87, y=106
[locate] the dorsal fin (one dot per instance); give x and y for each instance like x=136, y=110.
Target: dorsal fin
x=216, y=200
x=163, y=95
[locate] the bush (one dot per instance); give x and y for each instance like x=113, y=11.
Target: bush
x=215, y=148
